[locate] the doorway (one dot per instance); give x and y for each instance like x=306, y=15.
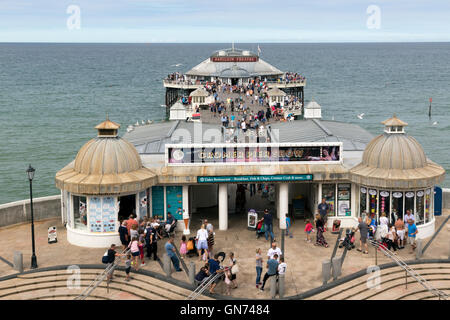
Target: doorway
x=234, y=81
x=127, y=206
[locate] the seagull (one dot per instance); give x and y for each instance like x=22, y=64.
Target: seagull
x=143, y=122
x=149, y=121
x=163, y=105
x=137, y=124
x=130, y=128
x=435, y=123
x=360, y=116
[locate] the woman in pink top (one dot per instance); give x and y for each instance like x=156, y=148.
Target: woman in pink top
x=134, y=248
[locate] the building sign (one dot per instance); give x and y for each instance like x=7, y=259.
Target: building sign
x=254, y=179
x=235, y=59
x=256, y=153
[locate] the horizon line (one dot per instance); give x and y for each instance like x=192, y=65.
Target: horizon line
x=269, y=42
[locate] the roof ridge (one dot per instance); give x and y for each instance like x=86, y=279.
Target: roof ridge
x=322, y=127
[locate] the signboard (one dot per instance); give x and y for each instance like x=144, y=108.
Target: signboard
x=344, y=191
x=253, y=179
x=253, y=153
x=235, y=59
x=52, y=235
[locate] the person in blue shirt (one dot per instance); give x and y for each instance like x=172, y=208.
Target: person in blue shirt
x=214, y=268
x=288, y=225
x=272, y=269
x=170, y=250
x=169, y=222
x=268, y=225
x=412, y=231
x=323, y=209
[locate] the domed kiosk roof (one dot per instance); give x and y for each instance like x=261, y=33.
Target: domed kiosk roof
x=107, y=164
x=396, y=160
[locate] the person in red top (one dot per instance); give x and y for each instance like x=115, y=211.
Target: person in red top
x=130, y=222
x=308, y=229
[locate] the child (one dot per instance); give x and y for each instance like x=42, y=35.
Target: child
x=228, y=281
x=308, y=230
x=412, y=231
x=141, y=248
x=183, y=247
x=282, y=266
x=128, y=267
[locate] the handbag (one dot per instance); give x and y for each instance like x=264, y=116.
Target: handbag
x=234, y=269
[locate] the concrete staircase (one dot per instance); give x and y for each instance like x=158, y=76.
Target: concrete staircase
x=392, y=285
x=53, y=285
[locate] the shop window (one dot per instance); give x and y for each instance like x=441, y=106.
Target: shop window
x=409, y=202
x=372, y=202
x=397, y=205
x=362, y=200
x=428, y=214
x=385, y=204
x=79, y=212
x=329, y=193
x=344, y=191
x=420, y=206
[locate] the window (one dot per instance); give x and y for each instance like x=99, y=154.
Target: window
x=329, y=193
x=79, y=212
x=409, y=202
x=102, y=214
x=420, y=217
x=385, y=204
x=344, y=191
x=397, y=204
x=372, y=202
x=362, y=200
x=428, y=213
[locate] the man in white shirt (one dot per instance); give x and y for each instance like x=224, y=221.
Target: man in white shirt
x=408, y=216
x=274, y=250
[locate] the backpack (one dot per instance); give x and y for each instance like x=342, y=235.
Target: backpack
x=105, y=258
x=190, y=245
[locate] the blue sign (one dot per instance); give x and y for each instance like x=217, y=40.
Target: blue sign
x=254, y=179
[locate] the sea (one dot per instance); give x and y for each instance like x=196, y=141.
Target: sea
x=53, y=95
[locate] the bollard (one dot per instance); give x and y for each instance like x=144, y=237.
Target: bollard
x=336, y=263
x=419, y=248
x=167, y=265
x=326, y=270
x=192, y=272
x=273, y=286
x=18, y=261
x=281, y=285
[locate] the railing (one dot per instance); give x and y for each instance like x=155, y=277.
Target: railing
x=96, y=282
x=203, y=286
x=440, y=294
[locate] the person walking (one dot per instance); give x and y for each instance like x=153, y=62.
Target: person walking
x=214, y=268
x=323, y=209
x=364, y=231
x=232, y=267
x=112, y=254
x=128, y=267
x=272, y=270
x=183, y=247
x=202, y=241
x=412, y=231
x=123, y=233
x=400, y=227
x=320, y=239
x=268, y=225
x=170, y=250
x=134, y=249
x=259, y=267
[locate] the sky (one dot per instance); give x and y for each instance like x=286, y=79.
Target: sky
x=206, y=21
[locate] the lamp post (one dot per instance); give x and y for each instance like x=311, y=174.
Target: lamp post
x=30, y=172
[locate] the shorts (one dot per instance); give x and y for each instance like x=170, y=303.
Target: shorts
x=127, y=270
x=363, y=239
x=401, y=234
x=202, y=244
x=308, y=232
x=412, y=240
x=135, y=254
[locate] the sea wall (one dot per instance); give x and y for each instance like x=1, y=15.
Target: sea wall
x=19, y=211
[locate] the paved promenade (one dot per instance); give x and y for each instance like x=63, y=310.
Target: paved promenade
x=303, y=259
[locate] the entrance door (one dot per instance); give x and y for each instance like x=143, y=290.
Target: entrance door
x=234, y=81
x=127, y=206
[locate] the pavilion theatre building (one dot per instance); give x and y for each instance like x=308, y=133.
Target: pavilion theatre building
x=182, y=167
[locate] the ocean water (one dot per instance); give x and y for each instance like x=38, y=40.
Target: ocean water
x=53, y=95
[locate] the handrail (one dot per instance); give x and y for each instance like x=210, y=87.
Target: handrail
x=203, y=286
x=440, y=294
x=96, y=282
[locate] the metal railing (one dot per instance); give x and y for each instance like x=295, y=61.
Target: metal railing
x=96, y=282
x=203, y=286
x=440, y=294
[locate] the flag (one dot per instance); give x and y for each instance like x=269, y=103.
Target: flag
x=259, y=50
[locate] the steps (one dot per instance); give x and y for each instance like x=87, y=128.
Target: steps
x=392, y=285
x=50, y=285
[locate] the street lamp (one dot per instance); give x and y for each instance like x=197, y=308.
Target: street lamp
x=30, y=172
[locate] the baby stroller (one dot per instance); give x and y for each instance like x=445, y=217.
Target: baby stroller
x=166, y=234
x=349, y=240
x=191, y=247
x=260, y=230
